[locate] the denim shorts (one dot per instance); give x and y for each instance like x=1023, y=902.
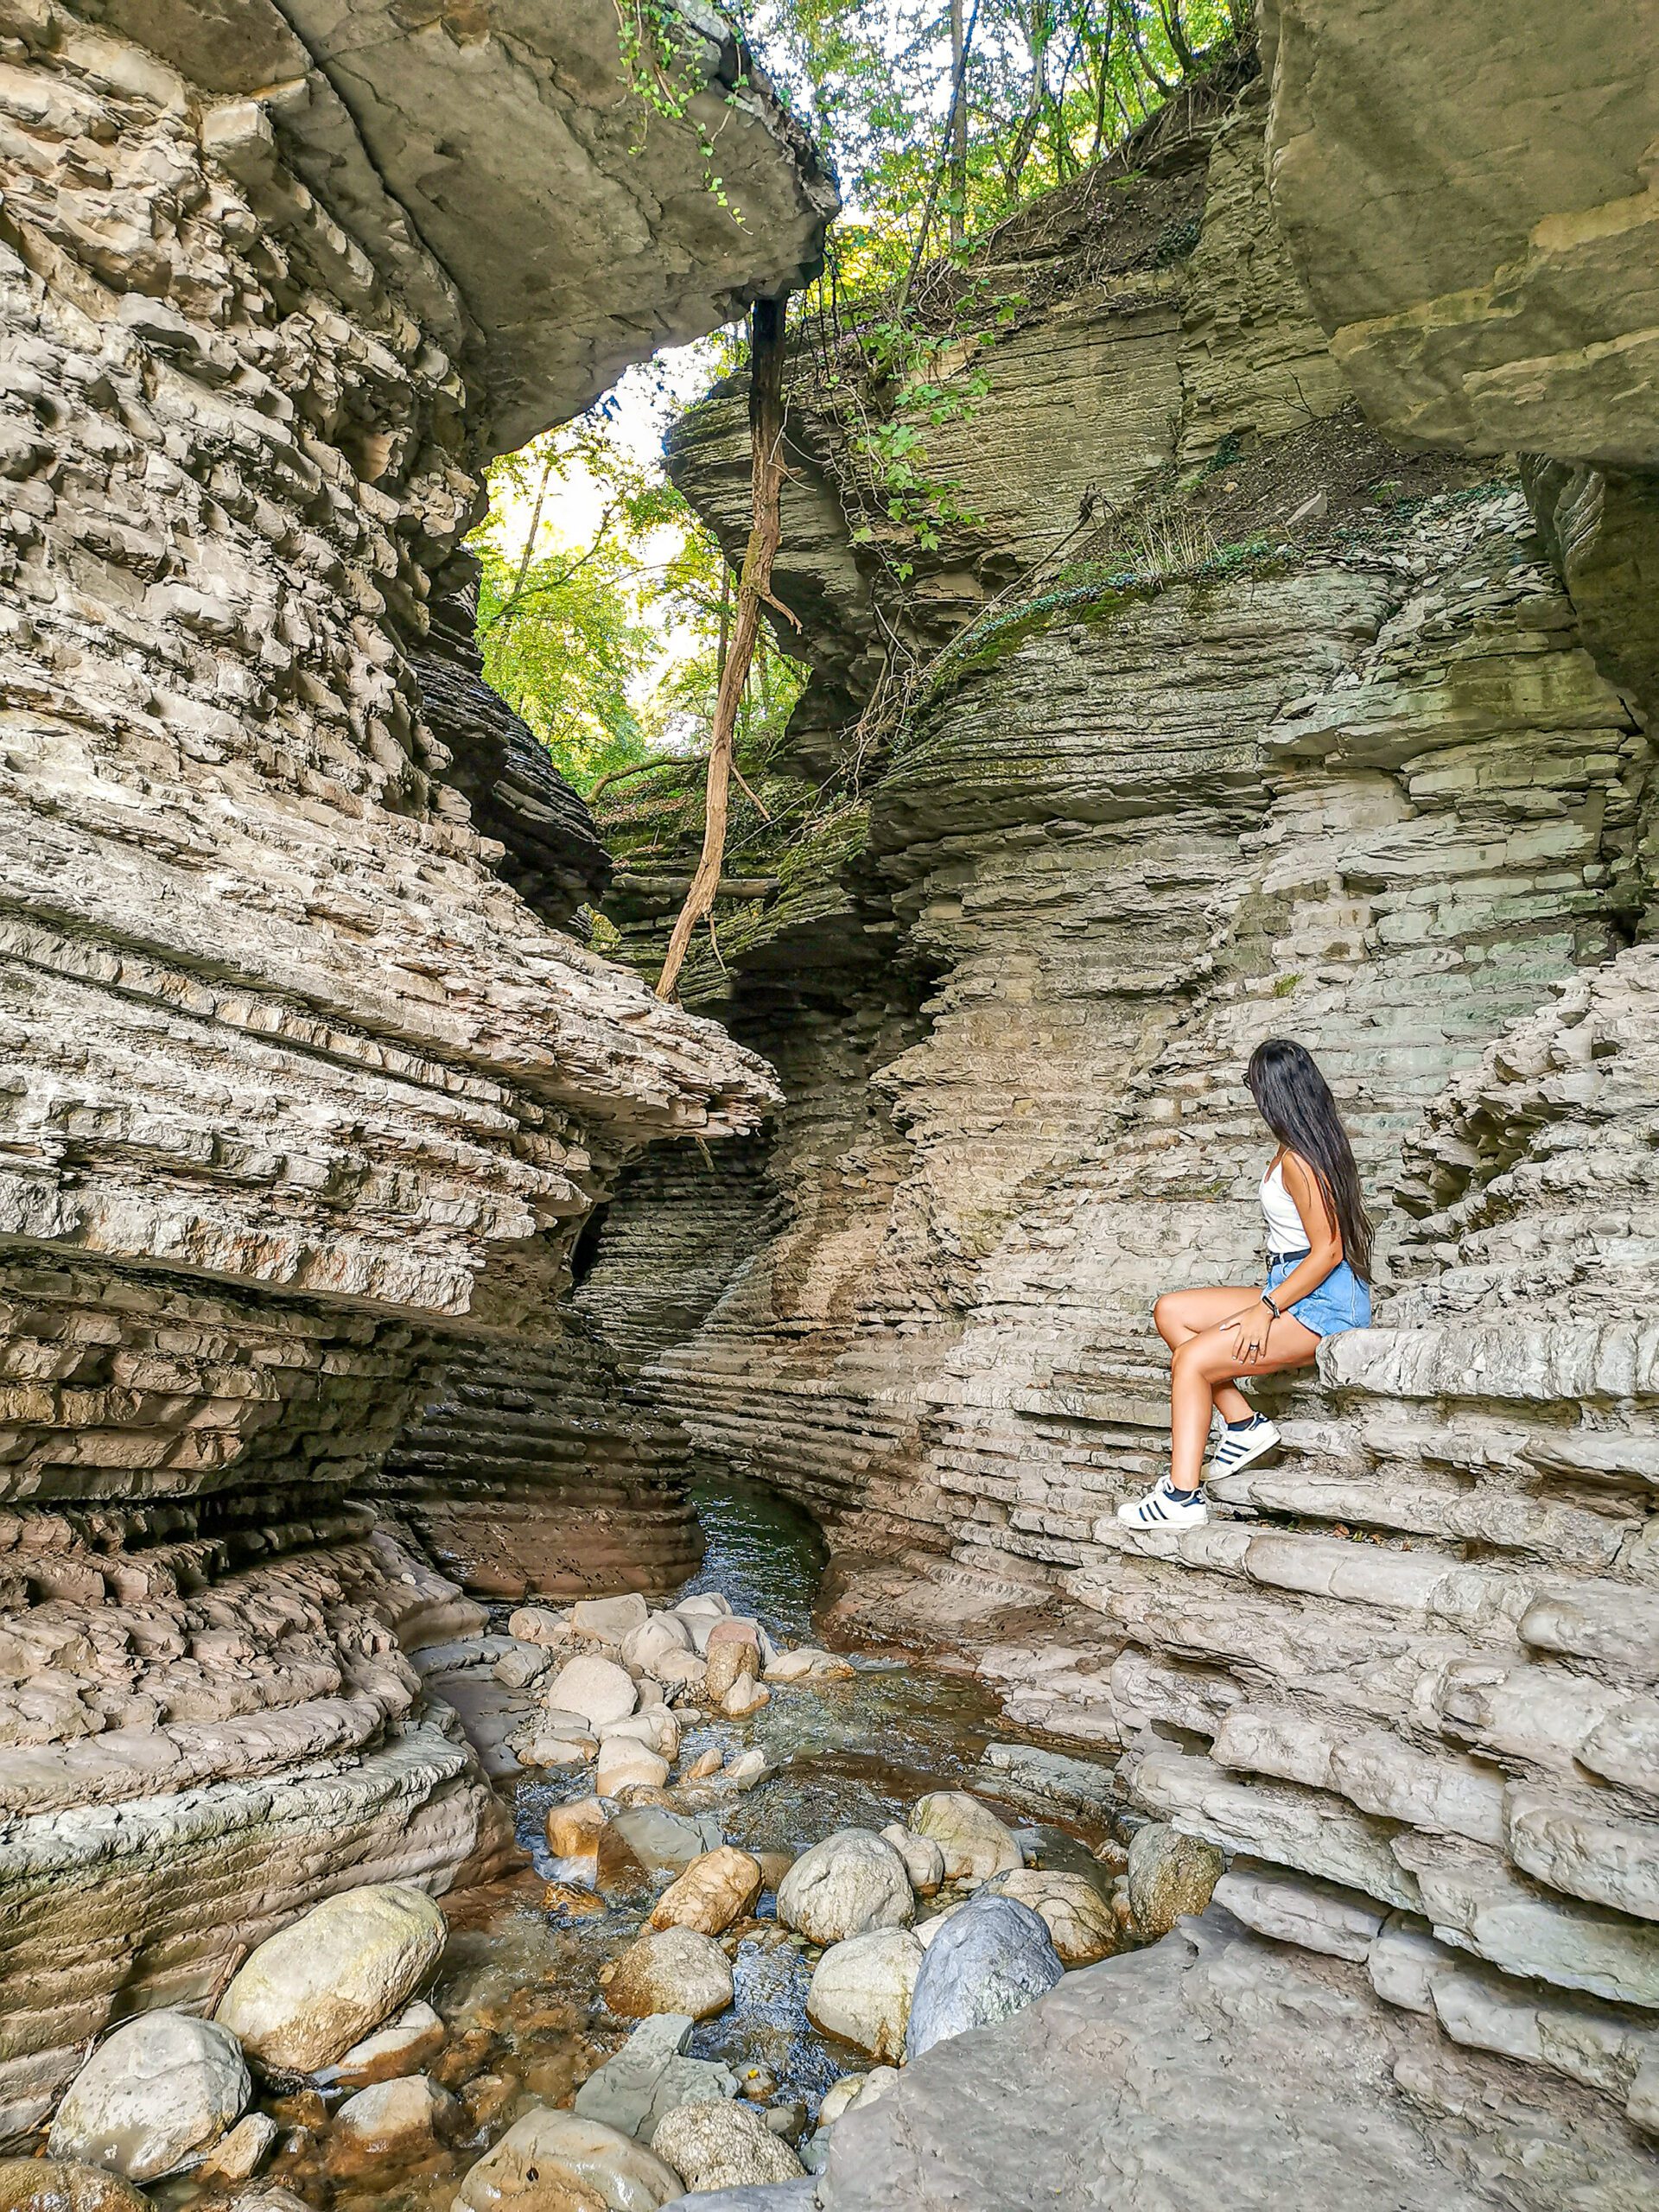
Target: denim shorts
x=1341, y=1301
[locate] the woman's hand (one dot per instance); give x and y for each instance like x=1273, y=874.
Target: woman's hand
x=1250, y=1331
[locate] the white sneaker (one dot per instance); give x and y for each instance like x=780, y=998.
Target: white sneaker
x=1242, y=1447
x=1166, y=1509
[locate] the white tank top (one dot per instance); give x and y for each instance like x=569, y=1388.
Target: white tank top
x=1285, y=1230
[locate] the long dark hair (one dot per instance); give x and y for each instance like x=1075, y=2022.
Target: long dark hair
x=1295, y=1102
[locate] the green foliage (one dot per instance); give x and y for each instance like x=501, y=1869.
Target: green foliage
x=609, y=647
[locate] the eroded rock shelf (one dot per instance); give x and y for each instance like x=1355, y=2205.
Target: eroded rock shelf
x=371, y=1246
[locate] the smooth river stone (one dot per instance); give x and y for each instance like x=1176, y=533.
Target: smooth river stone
x=714, y=1891
x=846, y=1885
x=562, y=2162
x=975, y=1844
x=595, y=1688
x=1170, y=1874
x=160, y=2089
x=724, y=2146
x=1081, y=1923
x=670, y=1970
x=651, y=2076
x=862, y=1990
x=989, y=1961
x=317, y=1987
x=62, y=2185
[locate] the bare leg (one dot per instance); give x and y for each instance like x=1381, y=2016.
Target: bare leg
x=1181, y=1315
x=1202, y=1369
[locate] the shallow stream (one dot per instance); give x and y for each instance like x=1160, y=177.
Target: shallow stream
x=520, y=1990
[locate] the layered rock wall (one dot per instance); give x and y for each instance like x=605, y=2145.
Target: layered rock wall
x=298, y=1092
x=1319, y=736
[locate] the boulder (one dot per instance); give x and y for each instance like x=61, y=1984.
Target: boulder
x=595, y=1688
x=415, y=2037
x=735, y=1628
x=928, y=1929
x=862, y=1990
x=774, y=1865
x=516, y=1669
x=61, y=2185
x=850, y=1883
x=653, y=1640
x=307, y=1993
x=535, y=1747
x=1169, y=1874
x=658, y=1838
x=627, y=1763
x=680, y=1669
x=239, y=2155
x=609, y=1620
x=988, y=1962
x=154, y=2096
x=747, y=1695
x=724, y=2146
x=714, y=1891
x=653, y=1726
x=924, y=1861
x=975, y=1843
x=574, y=1828
x=540, y=1624
x=565, y=2161
x=651, y=2076
x=726, y=1662
x=1078, y=1916
x=670, y=1970
x=393, y=2123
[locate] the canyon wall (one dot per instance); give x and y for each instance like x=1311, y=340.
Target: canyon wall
x=301, y=1100
x=1264, y=723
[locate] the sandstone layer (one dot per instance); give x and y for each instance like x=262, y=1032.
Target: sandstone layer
x=1307, y=732
x=297, y=1090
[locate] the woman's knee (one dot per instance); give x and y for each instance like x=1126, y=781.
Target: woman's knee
x=1167, y=1317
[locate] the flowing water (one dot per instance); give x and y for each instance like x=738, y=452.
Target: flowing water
x=520, y=1990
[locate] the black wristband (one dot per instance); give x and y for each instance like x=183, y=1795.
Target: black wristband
x=1271, y=1307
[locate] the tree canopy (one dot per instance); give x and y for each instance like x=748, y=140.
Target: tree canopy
x=604, y=601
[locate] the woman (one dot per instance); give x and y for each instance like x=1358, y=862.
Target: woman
x=1318, y=1283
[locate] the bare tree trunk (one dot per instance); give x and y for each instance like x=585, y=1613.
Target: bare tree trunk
x=754, y=589
x=958, y=126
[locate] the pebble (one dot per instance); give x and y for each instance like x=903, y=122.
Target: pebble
x=416, y=2036
x=726, y=1663
x=862, y=1990
x=394, y=2123
x=63, y=2185
x=625, y=1764
x=608, y=1620
x=651, y=2076
x=924, y=1861
x=1079, y=1917
x=747, y=1695
x=573, y=1829
x=239, y=2155
x=703, y=1765
x=749, y=1768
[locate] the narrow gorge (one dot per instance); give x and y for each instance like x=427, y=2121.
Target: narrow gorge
x=396, y=1297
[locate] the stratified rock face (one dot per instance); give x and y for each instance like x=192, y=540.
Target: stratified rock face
x=1470, y=196
x=540, y=1468
x=1362, y=771
x=292, y=1084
